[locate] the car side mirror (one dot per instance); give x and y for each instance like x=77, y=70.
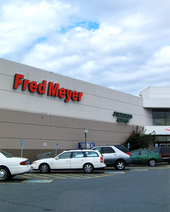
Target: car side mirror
x=56, y=158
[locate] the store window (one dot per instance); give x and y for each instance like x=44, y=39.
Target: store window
x=167, y=118
x=162, y=140
x=161, y=117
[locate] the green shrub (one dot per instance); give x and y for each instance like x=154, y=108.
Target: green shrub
x=138, y=139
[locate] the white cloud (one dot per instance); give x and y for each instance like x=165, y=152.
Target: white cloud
x=117, y=44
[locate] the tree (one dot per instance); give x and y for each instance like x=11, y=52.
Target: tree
x=138, y=139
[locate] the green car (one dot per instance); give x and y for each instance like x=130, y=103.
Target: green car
x=143, y=156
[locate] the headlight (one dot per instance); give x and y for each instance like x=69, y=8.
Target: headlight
x=34, y=162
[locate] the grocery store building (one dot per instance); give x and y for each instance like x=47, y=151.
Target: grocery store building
x=47, y=110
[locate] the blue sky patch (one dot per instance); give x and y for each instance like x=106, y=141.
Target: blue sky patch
x=87, y=25
x=41, y=39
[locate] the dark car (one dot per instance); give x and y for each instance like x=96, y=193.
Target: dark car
x=164, y=151
x=144, y=156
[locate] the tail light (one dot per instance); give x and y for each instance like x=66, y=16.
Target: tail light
x=128, y=153
x=101, y=160
x=160, y=155
x=24, y=162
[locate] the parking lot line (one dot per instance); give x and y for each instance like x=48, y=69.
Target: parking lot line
x=115, y=172
x=139, y=170
x=85, y=176
x=37, y=181
x=27, y=175
x=59, y=176
x=75, y=176
x=162, y=167
x=97, y=175
x=40, y=176
x=67, y=176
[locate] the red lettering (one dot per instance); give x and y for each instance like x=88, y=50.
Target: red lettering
x=53, y=91
x=62, y=93
x=74, y=96
x=68, y=95
x=79, y=97
x=24, y=85
x=32, y=87
x=42, y=87
x=17, y=80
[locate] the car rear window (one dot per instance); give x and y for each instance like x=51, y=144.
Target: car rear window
x=122, y=148
x=135, y=153
x=155, y=151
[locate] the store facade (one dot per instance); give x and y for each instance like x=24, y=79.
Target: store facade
x=46, y=109
x=158, y=100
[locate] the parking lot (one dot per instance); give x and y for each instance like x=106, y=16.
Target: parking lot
x=136, y=188
x=36, y=177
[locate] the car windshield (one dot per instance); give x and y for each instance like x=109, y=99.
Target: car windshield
x=6, y=154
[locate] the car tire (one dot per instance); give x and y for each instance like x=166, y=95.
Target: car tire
x=120, y=165
x=88, y=168
x=44, y=168
x=152, y=162
x=4, y=174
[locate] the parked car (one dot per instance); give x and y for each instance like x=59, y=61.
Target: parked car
x=117, y=155
x=86, y=160
x=143, y=156
x=164, y=151
x=11, y=166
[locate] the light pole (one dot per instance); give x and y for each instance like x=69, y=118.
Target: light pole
x=85, y=132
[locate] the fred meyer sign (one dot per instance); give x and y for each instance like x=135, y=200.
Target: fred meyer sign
x=122, y=117
x=53, y=89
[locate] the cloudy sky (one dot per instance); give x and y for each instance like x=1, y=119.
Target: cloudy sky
x=119, y=44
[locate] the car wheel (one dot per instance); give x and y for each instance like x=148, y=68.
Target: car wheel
x=120, y=164
x=88, y=168
x=152, y=162
x=4, y=174
x=44, y=168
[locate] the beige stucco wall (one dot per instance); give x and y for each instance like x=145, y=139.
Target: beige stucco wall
x=41, y=120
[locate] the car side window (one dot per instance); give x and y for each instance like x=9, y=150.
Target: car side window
x=107, y=150
x=91, y=154
x=78, y=155
x=144, y=152
x=98, y=148
x=135, y=153
x=64, y=155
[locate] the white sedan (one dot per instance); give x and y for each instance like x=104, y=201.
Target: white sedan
x=11, y=166
x=86, y=160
